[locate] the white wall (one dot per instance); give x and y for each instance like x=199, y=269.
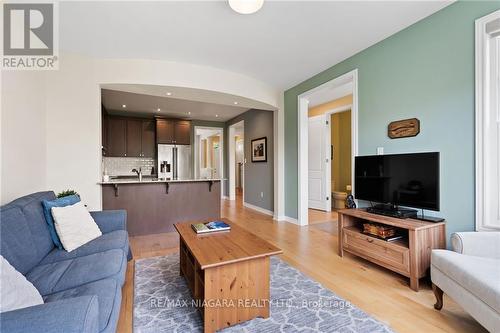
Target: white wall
x=73, y=110
x=23, y=134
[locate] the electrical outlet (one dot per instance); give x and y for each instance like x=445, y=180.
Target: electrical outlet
x=261, y=194
x=380, y=150
x=348, y=188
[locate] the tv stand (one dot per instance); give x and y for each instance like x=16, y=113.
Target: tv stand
x=393, y=211
x=409, y=256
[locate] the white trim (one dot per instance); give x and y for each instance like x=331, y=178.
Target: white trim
x=220, y=131
x=303, y=137
x=232, y=161
x=279, y=159
x=258, y=209
x=291, y=220
x=225, y=197
x=482, y=83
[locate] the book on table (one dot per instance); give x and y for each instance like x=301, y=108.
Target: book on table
x=213, y=226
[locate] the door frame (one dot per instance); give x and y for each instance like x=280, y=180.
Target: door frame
x=196, y=148
x=328, y=115
x=232, y=161
x=303, y=109
x=483, y=86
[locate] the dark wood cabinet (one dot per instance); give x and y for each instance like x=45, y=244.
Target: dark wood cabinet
x=148, y=138
x=104, y=132
x=165, y=131
x=134, y=138
x=129, y=137
x=182, y=132
x=116, y=134
x=173, y=131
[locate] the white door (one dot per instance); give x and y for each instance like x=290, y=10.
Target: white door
x=319, y=163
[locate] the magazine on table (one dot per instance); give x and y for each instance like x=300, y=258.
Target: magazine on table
x=213, y=226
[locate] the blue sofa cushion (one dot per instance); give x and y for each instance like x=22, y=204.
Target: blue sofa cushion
x=67, y=274
x=17, y=242
x=47, y=211
x=113, y=240
x=25, y=236
x=108, y=293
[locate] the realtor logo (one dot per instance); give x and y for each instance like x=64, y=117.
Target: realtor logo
x=29, y=36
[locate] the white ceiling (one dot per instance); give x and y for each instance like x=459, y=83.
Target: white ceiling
x=142, y=105
x=283, y=44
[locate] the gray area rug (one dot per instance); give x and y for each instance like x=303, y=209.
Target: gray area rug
x=162, y=303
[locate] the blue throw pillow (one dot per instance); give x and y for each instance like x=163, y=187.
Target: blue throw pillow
x=47, y=211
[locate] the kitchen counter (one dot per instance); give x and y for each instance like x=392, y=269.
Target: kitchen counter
x=157, y=180
x=154, y=205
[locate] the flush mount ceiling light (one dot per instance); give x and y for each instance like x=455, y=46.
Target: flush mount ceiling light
x=124, y=106
x=158, y=109
x=246, y=6
x=235, y=103
x=169, y=94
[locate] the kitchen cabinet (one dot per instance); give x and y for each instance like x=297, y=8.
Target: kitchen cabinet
x=134, y=138
x=182, y=132
x=116, y=133
x=165, y=131
x=173, y=131
x=148, y=138
x=129, y=137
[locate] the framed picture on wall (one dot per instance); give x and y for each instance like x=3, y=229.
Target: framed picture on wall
x=259, y=150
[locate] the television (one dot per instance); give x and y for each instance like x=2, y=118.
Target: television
x=410, y=180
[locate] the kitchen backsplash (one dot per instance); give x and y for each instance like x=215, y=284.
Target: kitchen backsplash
x=122, y=166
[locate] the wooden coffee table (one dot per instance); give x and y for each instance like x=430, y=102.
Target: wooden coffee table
x=227, y=273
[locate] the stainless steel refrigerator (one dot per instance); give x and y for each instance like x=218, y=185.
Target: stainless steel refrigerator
x=174, y=161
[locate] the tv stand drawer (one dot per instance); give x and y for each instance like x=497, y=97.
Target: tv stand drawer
x=393, y=256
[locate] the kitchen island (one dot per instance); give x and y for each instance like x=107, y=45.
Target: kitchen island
x=154, y=205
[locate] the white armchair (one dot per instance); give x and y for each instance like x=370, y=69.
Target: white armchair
x=470, y=275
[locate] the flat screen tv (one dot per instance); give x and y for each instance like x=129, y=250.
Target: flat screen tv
x=410, y=180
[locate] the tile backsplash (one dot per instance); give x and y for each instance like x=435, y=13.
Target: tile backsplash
x=122, y=166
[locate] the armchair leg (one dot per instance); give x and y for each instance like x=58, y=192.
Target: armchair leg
x=439, y=297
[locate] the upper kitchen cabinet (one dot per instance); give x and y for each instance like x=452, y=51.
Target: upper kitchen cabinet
x=173, y=131
x=182, y=132
x=129, y=137
x=117, y=134
x=148, y=138
x=134, y=138
x=164, y=131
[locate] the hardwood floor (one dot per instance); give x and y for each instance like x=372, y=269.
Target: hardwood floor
x=313, y=250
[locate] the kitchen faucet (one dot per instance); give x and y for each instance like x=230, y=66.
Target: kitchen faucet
x=139, y=173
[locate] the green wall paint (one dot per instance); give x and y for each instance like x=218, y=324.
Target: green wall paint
x=425, y=71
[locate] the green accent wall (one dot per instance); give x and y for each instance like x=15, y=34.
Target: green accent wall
x=424, y=71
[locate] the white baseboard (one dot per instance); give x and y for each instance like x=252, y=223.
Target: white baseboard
x=284, y=218
x=259, y=209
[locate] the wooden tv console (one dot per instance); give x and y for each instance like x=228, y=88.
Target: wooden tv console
x=410, y=256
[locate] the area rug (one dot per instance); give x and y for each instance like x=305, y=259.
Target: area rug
x=162, y=303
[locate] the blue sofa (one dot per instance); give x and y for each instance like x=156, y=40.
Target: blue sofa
x=81, y=289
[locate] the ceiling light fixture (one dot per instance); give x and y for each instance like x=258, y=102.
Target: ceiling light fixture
x=246, y=6
x=216, y=116
x=124, y=106
x=235, y=103
x=169, y=94
x=189, y=112
x=158, y=109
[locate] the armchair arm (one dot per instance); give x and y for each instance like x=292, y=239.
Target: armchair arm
x=110, y=220
x=481, y=244
x=72, y=315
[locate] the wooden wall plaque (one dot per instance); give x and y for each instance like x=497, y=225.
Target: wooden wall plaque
x=403, y=128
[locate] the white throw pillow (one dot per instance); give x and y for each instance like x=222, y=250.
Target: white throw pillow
x=15, y=291
x=74, y=225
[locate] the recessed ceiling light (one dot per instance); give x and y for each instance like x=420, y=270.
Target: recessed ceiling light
x=124, y=106
x=169, y=94
x=235, y=103
x=246, y=6
x=158, y=109
x=216, y=116
x=189, y=112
